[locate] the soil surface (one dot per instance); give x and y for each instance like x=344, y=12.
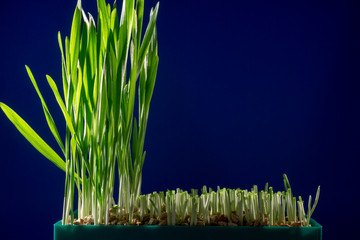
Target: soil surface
x=214, y=220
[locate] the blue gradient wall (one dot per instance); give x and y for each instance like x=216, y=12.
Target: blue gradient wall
x=246, y=91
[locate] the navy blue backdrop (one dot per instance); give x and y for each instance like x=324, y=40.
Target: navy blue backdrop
x=246, y=91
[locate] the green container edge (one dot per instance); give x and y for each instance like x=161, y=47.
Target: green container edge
x=119, y=232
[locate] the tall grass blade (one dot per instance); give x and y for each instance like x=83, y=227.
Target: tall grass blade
x=48, y=116
x=33, y=137
x=61, y=104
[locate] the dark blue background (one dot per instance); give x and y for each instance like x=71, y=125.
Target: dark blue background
x=246, y=91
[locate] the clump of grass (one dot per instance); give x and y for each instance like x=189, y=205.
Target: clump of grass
x=103, y=65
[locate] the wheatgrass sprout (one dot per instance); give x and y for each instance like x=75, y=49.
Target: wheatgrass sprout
x=103, y=65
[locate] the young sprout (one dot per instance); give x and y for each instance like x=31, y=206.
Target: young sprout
x=294, y=209
x=261, y=205
x=283, y=208
x=205, y=203
x=302, y=218
x=143, y=206
x=241, y=208
x=151, y=204
x=213, y=203
x=311, y=209
x=271, y=214
x=168, y=207
x=194, y=205
x=286, y=182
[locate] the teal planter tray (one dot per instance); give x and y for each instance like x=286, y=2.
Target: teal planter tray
x=74, y=232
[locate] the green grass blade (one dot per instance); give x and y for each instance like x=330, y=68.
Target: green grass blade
x=75, y=38
x=140, y=16
x=147, y=37
x=104, y=16
x=33, y=137
x=152, y=69
x=68, y=65
x=83, y=46
x=151, y=83
x=48, y=116
x=61, y=104
x=63, y=66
